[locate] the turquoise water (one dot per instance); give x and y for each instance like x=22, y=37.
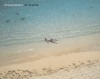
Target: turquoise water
x=52, y=19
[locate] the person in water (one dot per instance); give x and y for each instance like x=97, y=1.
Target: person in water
x=51, y=40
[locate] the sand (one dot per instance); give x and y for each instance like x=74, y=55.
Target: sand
x=83, y=65
x=86, y=72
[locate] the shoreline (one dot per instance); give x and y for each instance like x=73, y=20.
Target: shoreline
x=88, y=43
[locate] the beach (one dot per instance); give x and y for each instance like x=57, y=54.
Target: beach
x=49, y=39
x=72, y=66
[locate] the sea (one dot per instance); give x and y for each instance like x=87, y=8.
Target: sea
x=26, y=23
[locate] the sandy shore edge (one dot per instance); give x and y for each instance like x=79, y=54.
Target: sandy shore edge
x=50, y=65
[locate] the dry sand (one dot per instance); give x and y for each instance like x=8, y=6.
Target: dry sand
x=83, y=72
x=83, y=65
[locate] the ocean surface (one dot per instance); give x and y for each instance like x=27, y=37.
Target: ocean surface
x=59, y=19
